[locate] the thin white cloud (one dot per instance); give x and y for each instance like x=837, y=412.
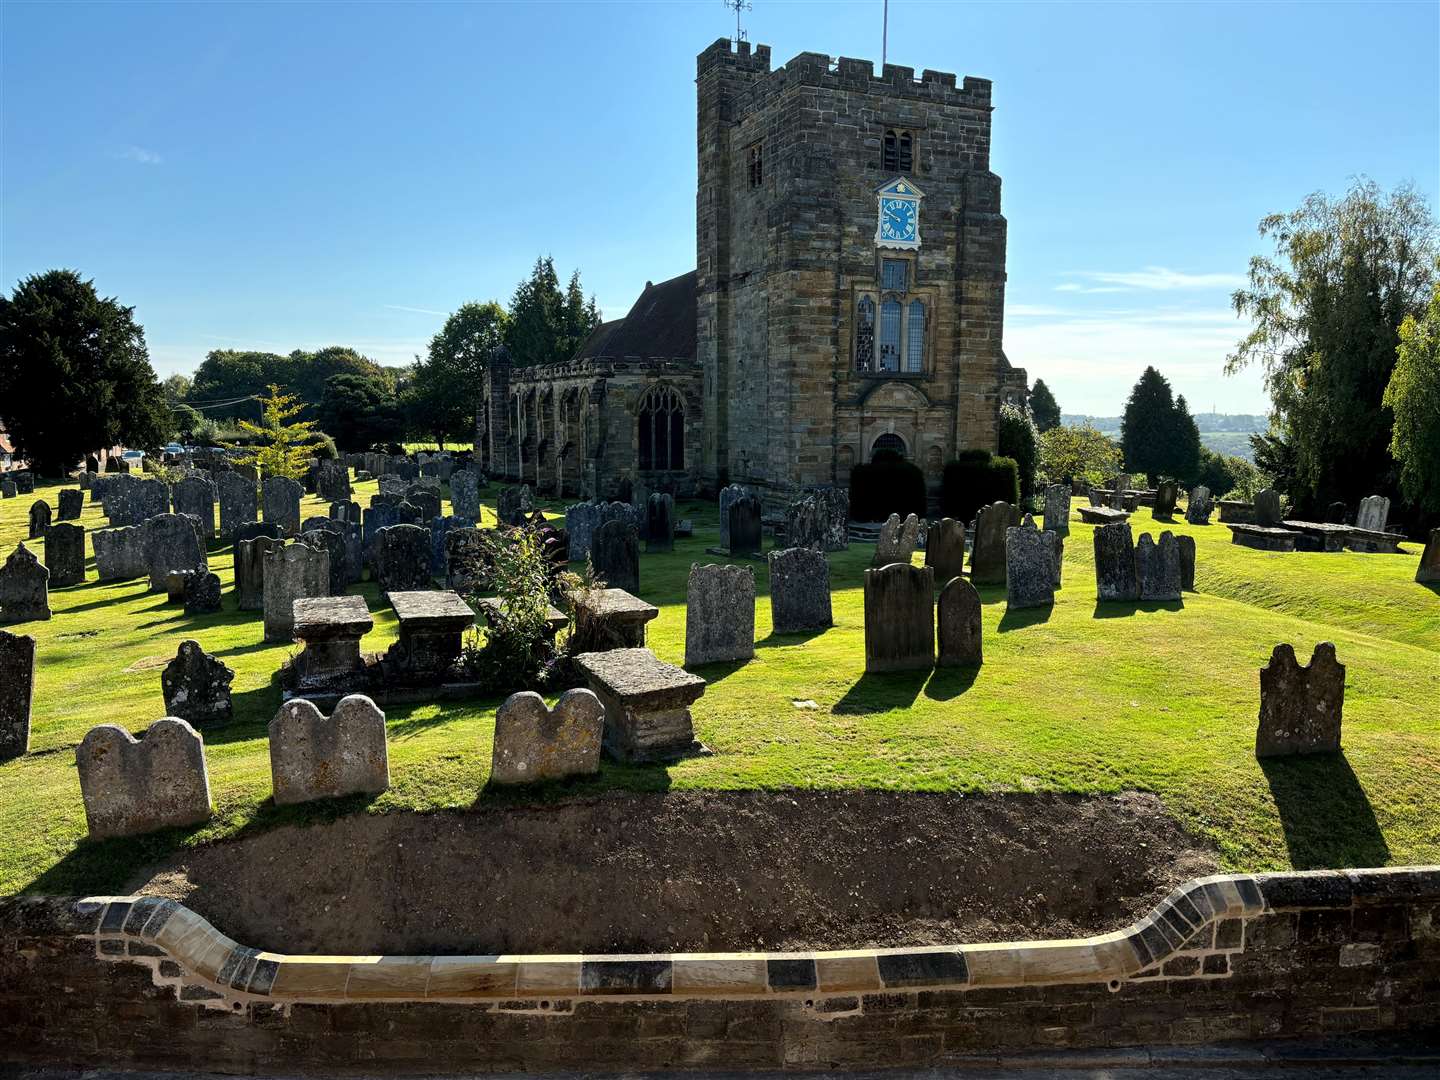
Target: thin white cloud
x=413, y=310
x=1148, y=279
x=141, y=155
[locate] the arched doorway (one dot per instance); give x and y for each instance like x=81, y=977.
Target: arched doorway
x=888, y=443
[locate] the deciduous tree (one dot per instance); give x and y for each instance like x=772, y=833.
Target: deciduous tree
x=1077, y=453
x=1413, y=395
x=281, y=442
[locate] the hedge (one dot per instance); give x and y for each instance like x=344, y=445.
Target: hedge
x=888, y=485
x=978, y=478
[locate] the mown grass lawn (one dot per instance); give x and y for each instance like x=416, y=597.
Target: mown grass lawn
x=1078, y=698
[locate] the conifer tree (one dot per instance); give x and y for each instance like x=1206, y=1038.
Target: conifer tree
x=283, y=443
x=1044, y=409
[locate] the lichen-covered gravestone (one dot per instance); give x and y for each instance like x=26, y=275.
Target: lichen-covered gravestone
x=171, y=543
x=1428, y=571
x=1373, y=514
x=17, y=682
x=467, y=562
x=132, y=786
x=196, y=686
x=1031, y=556
x=1157, y=567
x=899, y=618
x=440, y=528
x=580, y=522
x=24, y=588
x=332, y=481
x=799, y=591
x=1057, y=509
x=239, y=503
x=1300, y=707
x=250, y=565
x=426, y=502
x=615, y=553
x=719, y=614
x=744, y=526
x=512, y=504
x=833, y=504
x=313, y=756
x=72, y=503
x=1115, y=563
x=39, y=519
x=1186, y=545
x=660, y=523
x=290, y=572
x=333, y=544
x=806, y=524
x=1167, y=492
x=945, y=549
x=897, y=540
x=728, y=495
x=194, y=495
x=987, y=557
x=533, y=743
x=120, y=553
x=201, y=593
x=280, y=500
x=1197, y=511
x=958, y=621
x=465, y=494
x=1267, y=507
x=402, y=558
x=65, y=554
x=147, y=498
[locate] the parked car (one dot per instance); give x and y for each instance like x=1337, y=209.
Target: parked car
x=134, y=457
x=174, y=448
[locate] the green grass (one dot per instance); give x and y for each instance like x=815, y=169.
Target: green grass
x=1155, y=697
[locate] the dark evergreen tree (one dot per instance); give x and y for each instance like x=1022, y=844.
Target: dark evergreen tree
x=359, y=412
x=1043, y=407
x=1019, y=440
x=1185, y=466
x=1150, y=431
x=546, y=323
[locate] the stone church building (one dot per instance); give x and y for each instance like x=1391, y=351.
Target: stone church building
x=848, y=297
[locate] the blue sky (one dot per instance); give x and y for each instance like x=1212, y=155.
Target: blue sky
x=276, y=176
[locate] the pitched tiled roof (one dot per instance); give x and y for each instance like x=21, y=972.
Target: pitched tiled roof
x=661, y=324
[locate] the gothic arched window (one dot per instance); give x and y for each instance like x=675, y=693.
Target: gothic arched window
x=915, y=337
x=887, y=443
x=662, y=429
x=899, y=151
x=865, y=334
x=890, y=335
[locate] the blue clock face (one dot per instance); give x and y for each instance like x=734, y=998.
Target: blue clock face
x=898, y=220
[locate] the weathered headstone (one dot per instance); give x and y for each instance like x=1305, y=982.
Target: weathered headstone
x=344, y=510
x=467, y=562
x=799, y=591
x=440, y=528
x=313, y=756
x=427, y=502
x=290, y=571
x=719, y=614
x=65, y=554
x=659, y=523
x=728, y=495
x=402, y=558
x=147, y=498
x=899, y=618
x=120, y=553
x=280, y=502
x=1197, y=511
x=581, y=520
x=743, y=529
x=1300, y=707
x=897, y=540
x=958, y=621
x=8, y=490
x=332, y=481
x=534, y=743
x=239, y=504
x=197, y=687
x=1167, y=493
x=72, y=503
x=39, y=519
x=465, y=494
x=1186, y=545
x=1374, y=513
x=615, y=553
x=987, y=557
x=17, y=683
x=171, y=543
x=1157, y=567
x=945, y=548
x=833, y=504
x=512, y=504
x=806, y=524
x=1031, y=558
x=1429, y=569
x=1337, y=513
x=202, y=593
x=333, y=544
x=1267, y=507
x=249, y=562
x=132, y=786
x=24, y=588
x=194, y=495
x=1115, y=563
x=1057, y=509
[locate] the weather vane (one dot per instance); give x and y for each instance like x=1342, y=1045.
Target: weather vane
x=738, y=6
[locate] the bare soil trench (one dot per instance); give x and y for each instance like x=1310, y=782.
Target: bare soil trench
x=693, y=871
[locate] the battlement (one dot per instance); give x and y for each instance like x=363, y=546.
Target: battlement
x=725, y=53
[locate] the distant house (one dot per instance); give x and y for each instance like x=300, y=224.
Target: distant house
x=7, y=452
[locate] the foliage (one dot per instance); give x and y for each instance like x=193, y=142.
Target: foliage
x=1043, y=407
x=186, y=419
x=282, y=443
x=1158, y=437
x=177, y=387
x=444, y=389
x=1018, y=440
x=1077, y=453
x=1327, y=307
x=206, y=433
x=359, y=411
x=1413, y=395
x=546, y=323
x=324, y=448
x=515, y=649
x=75, y=373
x=887, y=485
x=977, y=478
x=1274, y=456
x=227, y=375
x=1230, y=477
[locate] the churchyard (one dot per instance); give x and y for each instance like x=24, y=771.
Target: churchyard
x=1076, y=699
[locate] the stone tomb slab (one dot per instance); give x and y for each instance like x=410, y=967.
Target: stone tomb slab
x=1262, y=537
x=1102, y=515
x=555, y=619
x=647, y=704
x=431, y=625
x=1318, y=535
x=610, y=619
x=330, y=628
x=1373, y=542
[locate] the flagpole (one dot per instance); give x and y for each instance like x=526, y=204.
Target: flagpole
x=885, y=36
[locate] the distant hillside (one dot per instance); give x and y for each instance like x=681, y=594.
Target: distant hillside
x=1224, y=433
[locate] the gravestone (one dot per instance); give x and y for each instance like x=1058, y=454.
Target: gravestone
x=1057, y=509
x=958, y=622
x=615, y=554
x=659, y=523
x=1373, y=514
x=580, y=522
x=8, y=490
x=313, y=756
x=147, y=498
x=897, y=540
x=390, y=484
x=719, y=614
x=354, y=560
x=440, y=528
x=427, y=502
x=1115, y=563
x=171, y=543
x=24, y=588
x=39, y=519
x=1167, y=493
x=346, y=511
x=899, y=618
x=833, y=504
x=331, y=628
x=290, y=571
x=175, y=585
x=1337, y=513
x=72, y=503
x=17, y=684
x=250, y=565
x=239, y=504
x=1300, y=707
x=407, y=513
x=945, y=548
x=194, y=495
x=1031, y=558
x=465, y=495
x=332, y=481
x=1428, y=572
x=120, y=553
x=196, y=686
x=317, y=522
x=377, y=516
x=65, y=554
x=402, y=559
x=806, y=524
x=24, y=481
x=987, y=557
x=1267, y=507
x=132, y=786
x=1186, y=545
x=467, y=562
x=728, y=495
x=534, y=743
x=202, y=593
x=512, y=505
x=743, y=529
x=1157, y=567
x=333, y=544
x=280, y=502
x=1197, y=511
x=799, y=591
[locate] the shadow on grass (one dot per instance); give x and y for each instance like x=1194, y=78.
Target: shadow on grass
x=1019, y=619
x=1121, y=609
x=775, y=641
x=714, y=672
x=948, y=683
x=875, y=693
x=1327, y=818
x=613, y=776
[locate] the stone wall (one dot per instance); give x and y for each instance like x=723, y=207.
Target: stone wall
x=145, y=983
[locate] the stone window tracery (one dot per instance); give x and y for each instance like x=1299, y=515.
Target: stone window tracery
x=662, y=429
x=898, y=154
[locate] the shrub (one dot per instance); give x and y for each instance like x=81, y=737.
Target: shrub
x=1077, y=453
x=977, y=478
x=515, y=649
x=324, y=447
x=888, y=485
x=1018, y=441
x=1230, y=477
